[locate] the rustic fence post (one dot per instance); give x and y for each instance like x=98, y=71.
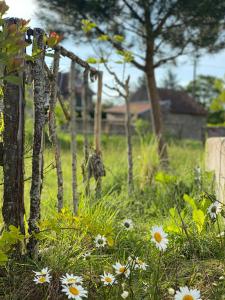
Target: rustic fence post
x=52, y=128
x=73, y=136
x=39, y=121
x=97, y=135
x=85, y=132
x=129, y=137
x=13, y=140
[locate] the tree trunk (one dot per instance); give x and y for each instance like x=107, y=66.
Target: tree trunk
x=52, y=129
x=13, y=158
x=129, y=138
x=73, y=136
x=156, y=114
x=39, y=121
x=97, y=131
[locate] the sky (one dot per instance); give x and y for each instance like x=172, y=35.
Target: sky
x=207, y=65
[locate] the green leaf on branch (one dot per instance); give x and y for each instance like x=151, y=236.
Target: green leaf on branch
x=92, y=60
x=118, y=38
x=87, y=25
x=103, y=37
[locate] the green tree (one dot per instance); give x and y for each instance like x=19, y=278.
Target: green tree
x=170, y=81
x=156, y=31
x=206, y=89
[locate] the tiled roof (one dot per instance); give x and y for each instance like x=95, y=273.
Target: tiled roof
x=135, y=108
x=180, y=101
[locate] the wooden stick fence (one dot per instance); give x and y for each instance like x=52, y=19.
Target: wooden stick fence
x=45, y=95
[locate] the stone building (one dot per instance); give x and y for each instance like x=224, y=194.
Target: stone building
x=183, y=117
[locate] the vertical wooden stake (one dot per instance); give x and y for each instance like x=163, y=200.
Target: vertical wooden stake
x=52, y=128
x=85, y=132
x=97, y=130
x=129, y=137
x=13, y=141
x=73, y=136
x=39, y=121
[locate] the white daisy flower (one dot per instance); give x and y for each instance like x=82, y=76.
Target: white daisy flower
x=124, y=294
x=214, y=209
x=86, y=255
x=128, y=224
x=121, y=269
x=71, y=279
x=100, y=241
x=74, y=291
x=43, y=276
x=221, y=234
x=159, y=237
x=137, y=263
x=108, y=279
x=187, y=294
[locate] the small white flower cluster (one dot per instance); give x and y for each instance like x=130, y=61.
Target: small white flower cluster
x=72, y=287
x=134, y=263
x=43, y=276
x=71, y=284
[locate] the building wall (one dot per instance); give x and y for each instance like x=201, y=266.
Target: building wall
x=178, y=126
x=185, y=126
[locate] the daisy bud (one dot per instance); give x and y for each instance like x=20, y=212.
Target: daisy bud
x=125, y=294
x=221, y=278
x=171, y=291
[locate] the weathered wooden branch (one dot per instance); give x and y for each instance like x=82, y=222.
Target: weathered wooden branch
x=37, y=161
x=79, y=61
x=73, y=136
x=52, y=128
x=13, y=139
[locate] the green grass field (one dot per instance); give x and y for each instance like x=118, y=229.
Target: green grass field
x=195, y=255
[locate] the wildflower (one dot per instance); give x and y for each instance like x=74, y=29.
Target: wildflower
x=128, y=224
x=86, y=255
x=124, y=294
x=159, y=237
x=43, y=276
x=138, y=263
x=187, y=294
x=221, y=234
x=214, y=209
x=171, y=291
x=108, y=279
x=100, y=241
x=71, y=279
x=221, y=278
x=74, y=291
x=121, y=269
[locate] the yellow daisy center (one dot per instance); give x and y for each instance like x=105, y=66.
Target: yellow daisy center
x=108, y=279
x=158, y=237
x=71, y=280
x=42, y=279
x=122, y=269
x=188, y=297
x=74, y=291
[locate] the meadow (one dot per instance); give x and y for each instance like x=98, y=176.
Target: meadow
x=116, y=230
